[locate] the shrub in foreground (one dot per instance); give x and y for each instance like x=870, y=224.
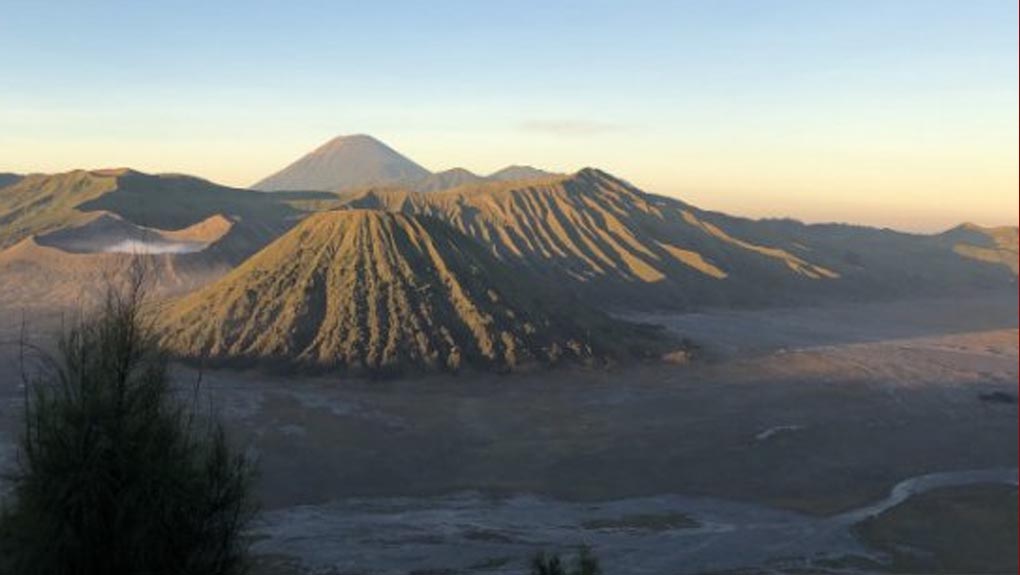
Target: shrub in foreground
x=584, y=564
x=116, y=474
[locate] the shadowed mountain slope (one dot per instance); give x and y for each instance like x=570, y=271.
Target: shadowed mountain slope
x=383, y=291
x=342, y=163
x=7, y=179
x=612, y=242
x=994, y=245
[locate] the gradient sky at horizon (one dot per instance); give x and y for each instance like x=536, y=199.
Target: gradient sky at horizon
x=900, y=113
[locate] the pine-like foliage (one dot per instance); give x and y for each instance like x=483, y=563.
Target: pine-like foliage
x=117, y=474
x=584, y=564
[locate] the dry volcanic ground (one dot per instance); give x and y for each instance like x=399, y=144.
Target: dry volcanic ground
x=805, y=441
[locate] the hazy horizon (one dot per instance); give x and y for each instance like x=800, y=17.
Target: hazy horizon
x=891, y=114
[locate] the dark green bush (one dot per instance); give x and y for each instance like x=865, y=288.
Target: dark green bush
x=116, y=474
x=584, y=564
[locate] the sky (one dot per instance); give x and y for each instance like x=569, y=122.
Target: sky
x=899, y=113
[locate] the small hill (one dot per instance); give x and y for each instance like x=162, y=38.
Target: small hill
x=104, y=232
x=342, y=163
x=457, y=177
x=515, y=172
x=994, y=245
x=369, y=290
x=445, y=180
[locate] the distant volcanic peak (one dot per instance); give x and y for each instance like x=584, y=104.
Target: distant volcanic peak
x=350, y=141
x=343, y=163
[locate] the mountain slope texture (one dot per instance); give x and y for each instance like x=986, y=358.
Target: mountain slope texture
x=41, y=203
x=342, y=163
x=369, y=290
x=994, y=245
x=62, y=236
x=613, y=243
x=589, y=233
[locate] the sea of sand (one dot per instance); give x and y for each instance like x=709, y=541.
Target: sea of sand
x=788, y=426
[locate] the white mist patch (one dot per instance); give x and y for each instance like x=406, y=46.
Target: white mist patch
x=159, y=247
x=777, y=429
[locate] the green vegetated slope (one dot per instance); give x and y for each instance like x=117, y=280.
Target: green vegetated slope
x=376, y=291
